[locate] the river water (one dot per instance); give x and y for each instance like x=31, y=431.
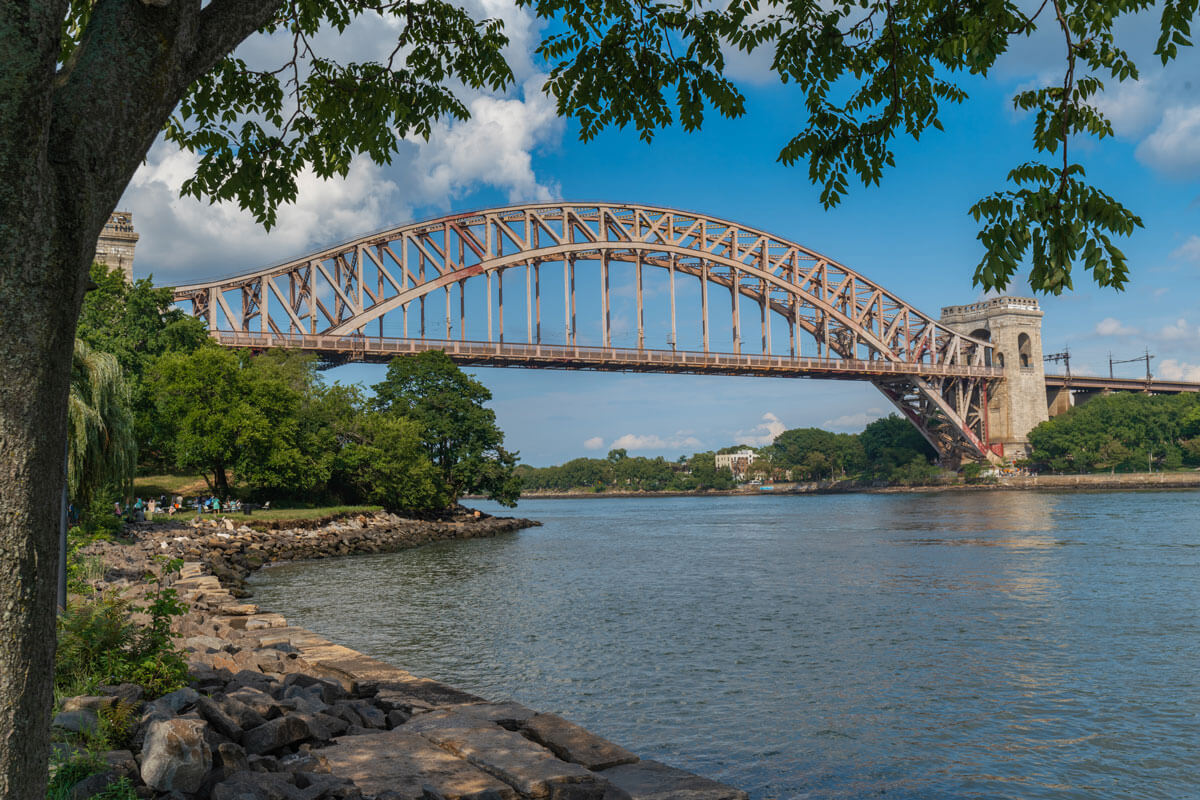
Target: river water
x=941, y=645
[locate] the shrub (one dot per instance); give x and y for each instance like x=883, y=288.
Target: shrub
x=98, y=643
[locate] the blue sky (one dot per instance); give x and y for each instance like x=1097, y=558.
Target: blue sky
x=912, y=234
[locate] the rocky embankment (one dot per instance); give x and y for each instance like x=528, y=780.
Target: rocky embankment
x=275, y=712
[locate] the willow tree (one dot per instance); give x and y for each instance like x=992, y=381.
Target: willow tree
x=86, y=86
x=101, y=445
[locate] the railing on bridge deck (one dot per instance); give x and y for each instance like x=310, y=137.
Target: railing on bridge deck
x=1154, y=385
x=617, y=359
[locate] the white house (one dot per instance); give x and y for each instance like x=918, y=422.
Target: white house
x=738, y=463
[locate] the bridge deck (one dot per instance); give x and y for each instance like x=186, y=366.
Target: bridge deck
x=611, y=359
x=1154, y=385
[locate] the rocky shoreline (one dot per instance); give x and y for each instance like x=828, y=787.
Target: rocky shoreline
x=275, y=712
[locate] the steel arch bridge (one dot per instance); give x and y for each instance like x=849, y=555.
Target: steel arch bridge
x=354, y=301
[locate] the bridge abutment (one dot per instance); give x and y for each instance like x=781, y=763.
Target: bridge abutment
x=1017, y=403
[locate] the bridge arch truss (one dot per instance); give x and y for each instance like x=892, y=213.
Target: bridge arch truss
x=354, y=301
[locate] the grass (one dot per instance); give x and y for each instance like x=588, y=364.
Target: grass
x=282, y=516
x=192, y=485
x=155, y=485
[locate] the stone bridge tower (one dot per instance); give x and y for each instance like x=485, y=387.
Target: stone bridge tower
x=117, y=241
x=1018, y=403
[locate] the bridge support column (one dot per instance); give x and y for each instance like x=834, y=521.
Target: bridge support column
x=1018, y=402
x=1058, y=400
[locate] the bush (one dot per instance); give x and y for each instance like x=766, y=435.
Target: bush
x=99, y=644
x=917, y=472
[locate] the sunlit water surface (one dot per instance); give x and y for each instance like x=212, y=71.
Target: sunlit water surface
x=946, y=645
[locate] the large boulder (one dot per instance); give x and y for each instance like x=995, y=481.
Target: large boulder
x=276, y=735
x=83, y=720
x=175, y=756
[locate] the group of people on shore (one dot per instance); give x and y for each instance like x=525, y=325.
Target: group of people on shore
x=140, y=510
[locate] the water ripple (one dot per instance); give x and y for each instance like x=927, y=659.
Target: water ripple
x=955, y=645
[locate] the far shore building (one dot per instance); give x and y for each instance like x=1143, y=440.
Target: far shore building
x=114, y=248
x=738, y=463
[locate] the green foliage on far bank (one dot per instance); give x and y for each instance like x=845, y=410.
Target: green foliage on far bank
x=623, y=473
x=1121, y=432
x=889, y=450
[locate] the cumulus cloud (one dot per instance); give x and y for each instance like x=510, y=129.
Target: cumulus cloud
x=1131, y=106
x=1158, y=111
x=764, y=433
x=1179, y=330
x=1174, y=146
x=494, y=147
x=1173, y=370
x=182, y=239
x=853, y=422
x=185, y=237
x=1111, y=326
x=594, y=443
x=633, y=441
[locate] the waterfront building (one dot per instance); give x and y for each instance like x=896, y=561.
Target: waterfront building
x=738, y=463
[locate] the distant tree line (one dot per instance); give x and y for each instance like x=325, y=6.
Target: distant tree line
x=1121, y=432
x=269, y=425
x=889, y=449
x=622, y=472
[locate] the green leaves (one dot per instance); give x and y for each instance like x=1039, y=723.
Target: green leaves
x=617, y=63
x=256, y=130
x=1121, y=432
x=457, y=431
x=1055, y=219
x=869, y=72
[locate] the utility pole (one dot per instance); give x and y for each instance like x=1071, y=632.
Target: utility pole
x=1065, y=357
x=1144, y=357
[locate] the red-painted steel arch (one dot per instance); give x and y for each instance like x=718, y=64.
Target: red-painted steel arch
x=342, y=296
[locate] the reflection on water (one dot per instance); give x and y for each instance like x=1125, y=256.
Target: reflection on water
x=948, y=645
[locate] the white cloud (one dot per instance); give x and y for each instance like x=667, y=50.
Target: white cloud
x=764, y=433
x=1173, y=370
x=1163, y=102
x=1111, y=326
x=1189, y=250
x=1174, y=146
x=182, y=236
x=185, y=238
x=853, y=422
x=594, y=443
x=1132, y=106
x=1178, y=330
x=633, y=441
x=493, y=147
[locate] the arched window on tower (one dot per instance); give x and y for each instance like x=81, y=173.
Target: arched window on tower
x=1024, y=347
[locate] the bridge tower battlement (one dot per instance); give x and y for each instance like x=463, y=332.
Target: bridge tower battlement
x=1014, y=327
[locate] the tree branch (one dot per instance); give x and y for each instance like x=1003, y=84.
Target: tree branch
x=223, y=24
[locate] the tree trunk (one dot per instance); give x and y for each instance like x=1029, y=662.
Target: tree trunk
x=38, y=306
x=222, y=481
x=71, y=137
x=39, y=302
